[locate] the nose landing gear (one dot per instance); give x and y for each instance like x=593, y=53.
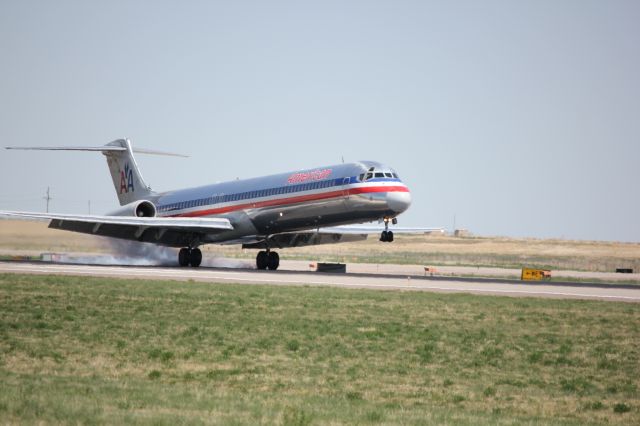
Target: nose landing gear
x=188, y=256
x=387, y=236
x=267, y=260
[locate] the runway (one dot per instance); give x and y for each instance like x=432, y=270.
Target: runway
x=356, y=281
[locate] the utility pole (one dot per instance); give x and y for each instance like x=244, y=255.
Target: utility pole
x=48, y=198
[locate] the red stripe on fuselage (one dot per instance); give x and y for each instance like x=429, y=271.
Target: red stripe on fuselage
x=295, y=200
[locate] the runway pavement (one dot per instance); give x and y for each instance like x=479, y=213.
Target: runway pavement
x=368, y=281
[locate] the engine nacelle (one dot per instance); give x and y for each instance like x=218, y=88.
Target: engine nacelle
x=140, y=208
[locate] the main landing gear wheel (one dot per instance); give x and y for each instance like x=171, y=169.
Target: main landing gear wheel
x=261, y=260
x=191, y=257
x=267, y=260
x=196, y=257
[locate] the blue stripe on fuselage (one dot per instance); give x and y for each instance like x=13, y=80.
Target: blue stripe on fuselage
x=268, y=192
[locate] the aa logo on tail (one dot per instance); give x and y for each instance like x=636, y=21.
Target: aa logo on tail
x=126, y=179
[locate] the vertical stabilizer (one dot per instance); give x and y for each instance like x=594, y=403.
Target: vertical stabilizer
x=126, y=176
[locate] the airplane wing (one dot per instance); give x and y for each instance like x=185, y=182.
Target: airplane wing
x=175, y=232
x=302, y=238
x=363, y=229
x=328, y=235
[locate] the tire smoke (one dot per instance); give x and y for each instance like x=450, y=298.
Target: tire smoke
x=134, y=253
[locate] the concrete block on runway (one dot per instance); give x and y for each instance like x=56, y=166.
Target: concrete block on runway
x=335, y=268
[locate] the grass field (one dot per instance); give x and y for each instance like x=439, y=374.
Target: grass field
x=89, y=350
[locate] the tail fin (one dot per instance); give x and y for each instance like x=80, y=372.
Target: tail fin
x=126, y=176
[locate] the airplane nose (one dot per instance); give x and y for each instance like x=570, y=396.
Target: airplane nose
x=398, y=201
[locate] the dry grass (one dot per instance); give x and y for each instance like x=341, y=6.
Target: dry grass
x=35, y=237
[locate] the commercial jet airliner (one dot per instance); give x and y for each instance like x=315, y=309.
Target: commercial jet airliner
x=294, y=209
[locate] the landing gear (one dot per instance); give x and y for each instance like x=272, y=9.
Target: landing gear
x=387, y=236
x=274, y=260
x=196, y=257
x=191, y=257
x=262, y=260
x=267, y=260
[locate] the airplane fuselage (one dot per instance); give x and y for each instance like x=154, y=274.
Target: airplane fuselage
x=300, y=200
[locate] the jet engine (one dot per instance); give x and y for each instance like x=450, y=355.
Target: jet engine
x=140, y=208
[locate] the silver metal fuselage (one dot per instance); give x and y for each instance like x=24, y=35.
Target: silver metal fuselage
x=296, y=201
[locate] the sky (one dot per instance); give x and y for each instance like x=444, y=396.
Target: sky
x=516, y=118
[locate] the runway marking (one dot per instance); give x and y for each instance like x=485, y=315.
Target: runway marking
x=290, y=279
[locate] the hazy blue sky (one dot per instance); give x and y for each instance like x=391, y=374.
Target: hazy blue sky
x=520, y=117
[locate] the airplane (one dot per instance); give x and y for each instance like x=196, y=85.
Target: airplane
x=299, y=208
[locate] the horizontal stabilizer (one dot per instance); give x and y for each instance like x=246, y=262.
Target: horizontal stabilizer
x=105, y=148
x=69, y=148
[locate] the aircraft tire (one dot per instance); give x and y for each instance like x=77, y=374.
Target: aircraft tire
x=195, y=258
x=386, y=236
x=273, y=261
x=183, y=257
x=262, y=260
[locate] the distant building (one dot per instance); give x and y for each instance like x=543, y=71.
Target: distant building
x=461, y=233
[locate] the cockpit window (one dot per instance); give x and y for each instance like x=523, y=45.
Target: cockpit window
x=373, y=173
